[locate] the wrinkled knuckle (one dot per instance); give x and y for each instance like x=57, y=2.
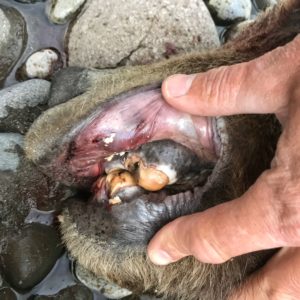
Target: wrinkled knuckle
x=215, y=85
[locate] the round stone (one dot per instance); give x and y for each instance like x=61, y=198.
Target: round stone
x=226, y=12
x=129, y=32
x=41, y=64
x=29, y=255
x=12, y=37
x=61, y=11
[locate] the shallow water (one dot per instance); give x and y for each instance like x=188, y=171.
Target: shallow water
x=41, y=33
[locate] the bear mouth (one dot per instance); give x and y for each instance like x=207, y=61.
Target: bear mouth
x=137, y=144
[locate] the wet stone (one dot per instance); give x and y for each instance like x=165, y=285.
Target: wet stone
x=7, y=294
x=108, y=33
x=41, y=64
x=61, y=11
x=23, y=186
x=75, y=292
x=29, y=255
x=226, y=12
x=12, y=38
x=22, y=103
x=29, y=1
x=108, y=289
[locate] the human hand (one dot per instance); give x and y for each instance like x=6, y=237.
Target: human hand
x=268, y=214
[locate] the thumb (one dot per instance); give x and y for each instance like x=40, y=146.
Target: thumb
x=258, y=86
x=233, y=228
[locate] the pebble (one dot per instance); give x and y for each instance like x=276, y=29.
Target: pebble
x=12, y=38
x=226, y=12
x=61, y=11
x=129, y=32
x=29, y=255
x=263, y=4
x=22, y=103
x=41, y=64
x=109, y=290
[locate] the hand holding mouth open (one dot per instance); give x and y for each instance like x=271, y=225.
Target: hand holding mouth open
x=268, y=214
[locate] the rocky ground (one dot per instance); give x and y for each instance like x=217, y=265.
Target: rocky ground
x=38, y=38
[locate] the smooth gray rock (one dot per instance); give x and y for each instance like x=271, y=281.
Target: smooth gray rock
x=29, y=255
x=109, y=290
x=12, y=39
x=263, y=4
x=9, y=157
x=226, y=12
x=61, y=11
x=110, y=33
x=75, y=292
x=21, y=104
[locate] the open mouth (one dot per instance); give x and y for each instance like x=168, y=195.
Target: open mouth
x=137, y=144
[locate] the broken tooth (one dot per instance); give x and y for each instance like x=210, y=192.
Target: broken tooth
x=151, y=179
x=119, y=179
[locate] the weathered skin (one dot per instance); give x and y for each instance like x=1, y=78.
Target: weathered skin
x=112, y=242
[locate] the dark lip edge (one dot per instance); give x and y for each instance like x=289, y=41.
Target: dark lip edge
x=217, y=140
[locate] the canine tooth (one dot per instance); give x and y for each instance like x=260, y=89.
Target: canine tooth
x=151, y=179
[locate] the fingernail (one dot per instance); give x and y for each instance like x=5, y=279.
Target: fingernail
x=160, y=258
x=178, y=85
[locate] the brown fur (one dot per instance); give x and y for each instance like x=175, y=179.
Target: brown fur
x=129, y=267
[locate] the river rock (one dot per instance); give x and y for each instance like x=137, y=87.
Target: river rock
x=61, y=11
x=111, y=33
x=29, y=255
x=75, y=292
x=226, y=12
x=23, y=186
x=263, y=4
x=7, y=294
x=41, y=64
x=20, y=104
x=12, y=38
x=108, y=289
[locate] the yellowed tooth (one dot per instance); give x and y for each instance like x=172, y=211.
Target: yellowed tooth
x=115, y=200
x=119, y=179
x=150, y=178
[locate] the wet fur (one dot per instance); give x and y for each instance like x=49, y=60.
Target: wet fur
x=129, y=267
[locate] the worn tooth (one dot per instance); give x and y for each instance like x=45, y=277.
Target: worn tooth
x=150, y=178
x=119, y=179
x=115, y=200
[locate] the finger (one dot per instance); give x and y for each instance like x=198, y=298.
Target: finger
x=279, y=279
x=257, y=220
x=258, y=86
